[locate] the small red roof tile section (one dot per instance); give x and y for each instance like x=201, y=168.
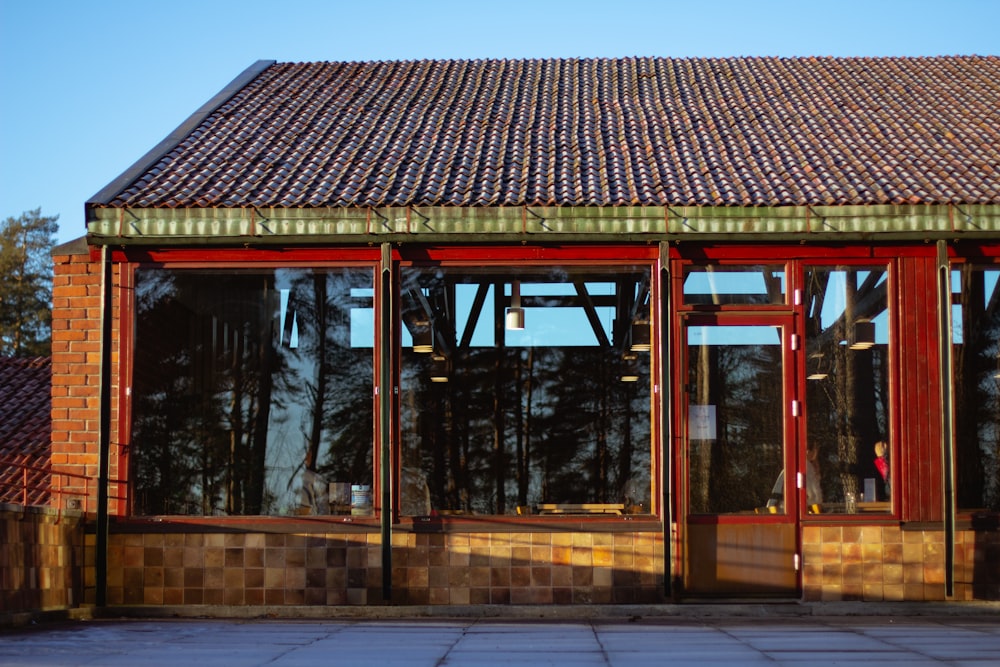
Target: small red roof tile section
x=25, y=429
x=593, y=132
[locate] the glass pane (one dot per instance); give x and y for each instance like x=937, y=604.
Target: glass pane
x=252, y=390
x=735, y=419
x=551, y=416
x=976, y=322
x=718, y=285
x=847, y=388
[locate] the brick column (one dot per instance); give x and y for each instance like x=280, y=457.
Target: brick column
x=76, y=368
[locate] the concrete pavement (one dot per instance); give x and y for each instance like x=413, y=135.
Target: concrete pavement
x=815, y=641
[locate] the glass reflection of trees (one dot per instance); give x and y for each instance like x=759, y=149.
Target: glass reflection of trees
x=250, y=389
x=976, y=322
x=734, y=461
x=525, y=417
x=847, y=393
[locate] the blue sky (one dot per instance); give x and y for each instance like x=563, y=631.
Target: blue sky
x=89, y=86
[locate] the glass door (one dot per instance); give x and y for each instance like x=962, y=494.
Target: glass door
x=740, y=505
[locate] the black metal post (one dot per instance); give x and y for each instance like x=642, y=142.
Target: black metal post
x=664, y=380
x=101, y=547
x=945, y=364
x=386, y=402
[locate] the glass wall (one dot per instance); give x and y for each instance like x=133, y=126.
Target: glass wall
x=976, y=367
x=745, y=285
x=525, y=390
x=252, y=390
x=847, y=388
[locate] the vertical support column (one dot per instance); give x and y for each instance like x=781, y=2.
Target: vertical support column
x=664, y=347
x=385, y=404
x=103, y=464
x=945, y=367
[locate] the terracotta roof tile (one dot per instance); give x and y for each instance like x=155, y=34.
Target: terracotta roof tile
x=25, y=427
x=649, y=131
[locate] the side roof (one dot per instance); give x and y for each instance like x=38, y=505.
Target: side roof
x=25, y=427
x=585, y=132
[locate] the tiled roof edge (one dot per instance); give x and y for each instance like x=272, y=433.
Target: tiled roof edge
x=77, y=246
x=107, y=194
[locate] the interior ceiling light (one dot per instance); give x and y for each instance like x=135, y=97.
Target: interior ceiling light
x=423, y=337
x=515, y=314
x=439, y=369
x=864, y=335
x=630, y=368
x=640, y=336
x=815, y=367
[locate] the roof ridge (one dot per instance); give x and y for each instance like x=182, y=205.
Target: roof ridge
x=621, y=58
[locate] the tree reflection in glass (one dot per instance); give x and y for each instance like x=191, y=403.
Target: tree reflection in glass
x=847, y=393
x=735, y=417
x=976, y=367
x=523, y=417
x=251, y=389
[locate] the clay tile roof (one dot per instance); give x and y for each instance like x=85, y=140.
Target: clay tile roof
x=607, y=132
x=25, y=427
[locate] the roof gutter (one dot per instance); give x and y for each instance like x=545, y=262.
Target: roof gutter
x=253, y=226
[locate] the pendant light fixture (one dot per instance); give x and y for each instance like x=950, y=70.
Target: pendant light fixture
x=515, y=314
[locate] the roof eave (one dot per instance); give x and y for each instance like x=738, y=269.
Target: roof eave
x=294, y=226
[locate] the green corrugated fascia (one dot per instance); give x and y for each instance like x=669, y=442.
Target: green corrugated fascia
x=166, y=227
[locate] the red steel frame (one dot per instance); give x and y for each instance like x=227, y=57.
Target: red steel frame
x=129, y=259
x=912, y=309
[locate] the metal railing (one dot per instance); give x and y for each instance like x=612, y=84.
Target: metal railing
x=40, y=486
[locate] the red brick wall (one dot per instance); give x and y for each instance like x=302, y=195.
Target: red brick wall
x=76, y=372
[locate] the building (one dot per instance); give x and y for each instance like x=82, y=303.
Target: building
x=545, y=332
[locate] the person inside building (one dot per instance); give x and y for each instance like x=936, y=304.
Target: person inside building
x=882, y=465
